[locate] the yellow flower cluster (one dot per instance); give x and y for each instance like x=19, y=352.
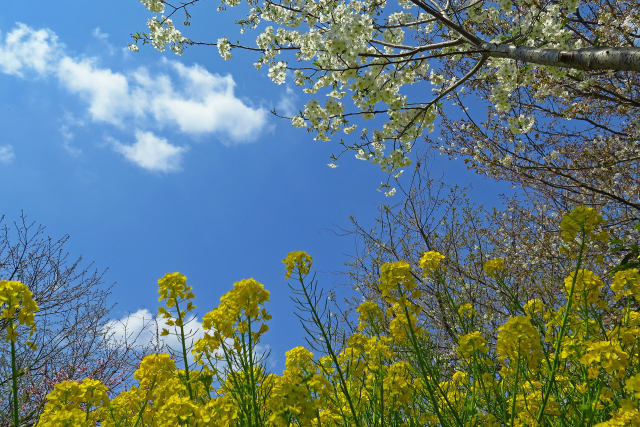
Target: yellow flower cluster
x=586, y=286
x=470, y=343
x=173, y=290
x=240, y=312
x=494, y=266
x=299, y=260
x=528, y=403
x=581, y=220
x=607, y=355
x=75, y=404
x=173, y=286
x=430, y=261
x=625, y=283
x=519, y=340
x=626, y=416
x=293, y=392
x=16, y=302
x=395, y=275
x=398, y=380
x=467, y=310
x=533, y=307
x=632, y=385
x=370, y=316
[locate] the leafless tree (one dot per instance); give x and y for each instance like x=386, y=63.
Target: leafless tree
x=70, y=340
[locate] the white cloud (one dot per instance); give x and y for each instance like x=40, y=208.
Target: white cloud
x=68, y=122
x=187, y=99
x=152, y=153
x=287, y=103
x=203, y=103
x=194, y=100
x=24, y=49
x=106, y=92
x=103, y=38
x=6, y=154
x=141, y=330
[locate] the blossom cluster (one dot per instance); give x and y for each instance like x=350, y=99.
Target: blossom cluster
x=375, y=51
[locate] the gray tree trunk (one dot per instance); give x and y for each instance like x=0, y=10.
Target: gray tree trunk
x=605, y=58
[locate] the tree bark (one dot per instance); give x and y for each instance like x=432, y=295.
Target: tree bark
x=605, y=58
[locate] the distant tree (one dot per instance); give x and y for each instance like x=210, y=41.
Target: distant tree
x=428, y=215
x=70, y=341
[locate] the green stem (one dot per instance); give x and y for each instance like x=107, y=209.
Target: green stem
x=184, y=351
x=565, y=317
x=14, y=380
x=316, y=319
x=252, y=380
x=514, y=392
x=146, y=401
x=425, y=374
x=236, y=391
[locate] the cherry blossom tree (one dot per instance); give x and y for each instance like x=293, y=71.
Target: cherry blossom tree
x=541, y=93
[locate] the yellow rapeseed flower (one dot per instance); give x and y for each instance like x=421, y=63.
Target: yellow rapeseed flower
x=75, y=403
x=467, y=310
x=625, y=283
x=16, y=302
x=399, y=329
x=494, y=266
x=533, y=306
x=154, y=368
x=370, y=316
x=581, y=220
x=242, y=303
x=430, y=261
x=398, y=384
x=297, y=259
x=173, y=286
x=607, y=355
x=624, y=417
x=517, y=338
x=633, y=385
x=471, y=342
x=587, y=286
x=394, y=274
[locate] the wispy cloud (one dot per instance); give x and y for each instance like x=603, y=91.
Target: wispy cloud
x=6, y=154
x=97, y=33
x=152, y=153
x=67, y=124
x=287, y=103
x=174, y=96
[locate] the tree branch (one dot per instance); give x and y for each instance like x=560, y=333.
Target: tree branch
x=605, y=58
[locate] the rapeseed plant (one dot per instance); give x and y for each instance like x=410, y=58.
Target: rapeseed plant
x=572, y=364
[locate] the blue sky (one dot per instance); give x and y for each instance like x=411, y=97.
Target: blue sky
x=156, y=163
